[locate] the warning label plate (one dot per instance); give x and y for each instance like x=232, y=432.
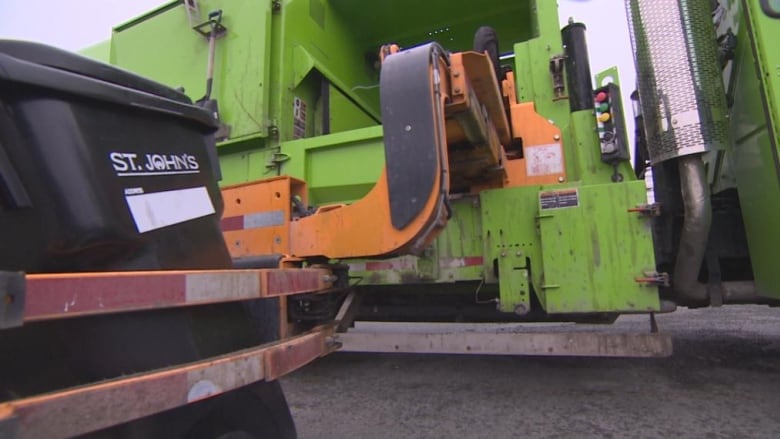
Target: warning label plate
x=559, y=199
x=543, y=160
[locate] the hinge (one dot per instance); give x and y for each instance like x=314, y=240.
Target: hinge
x=193, y=12
x=557, y=75
x=647, y=209
x=12, y=299
x=653, y=278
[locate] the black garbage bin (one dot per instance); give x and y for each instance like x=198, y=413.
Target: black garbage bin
x=101, y=169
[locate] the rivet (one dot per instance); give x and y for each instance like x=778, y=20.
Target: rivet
x=557, y=137
x=560, y=179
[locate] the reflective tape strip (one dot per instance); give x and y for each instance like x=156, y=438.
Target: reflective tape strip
x=466, y=261
x=206, y=287
x=264, y=219
x=410, y=264
x=253, y=221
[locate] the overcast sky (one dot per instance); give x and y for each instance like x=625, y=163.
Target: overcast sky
x=75, y=24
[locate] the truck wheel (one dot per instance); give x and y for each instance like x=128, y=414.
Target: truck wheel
x=257, y=411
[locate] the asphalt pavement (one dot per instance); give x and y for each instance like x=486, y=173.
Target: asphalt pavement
x=723, y=381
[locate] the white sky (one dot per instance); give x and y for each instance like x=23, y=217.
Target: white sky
x=75, y=24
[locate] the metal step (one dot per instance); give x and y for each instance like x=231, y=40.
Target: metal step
x=560, y=343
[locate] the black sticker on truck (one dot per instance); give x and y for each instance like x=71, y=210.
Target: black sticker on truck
x=299, y=118
x=559, y=199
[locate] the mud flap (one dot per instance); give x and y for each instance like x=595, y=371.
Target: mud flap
x=409, y=118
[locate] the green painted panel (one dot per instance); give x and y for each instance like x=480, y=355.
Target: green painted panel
x=459, y=246
x=755, y=133
x=163, y=47
x=593, y=249
x=450, y=22
x=339, y=167
x=248, y=163
x=267, y=60
x=315, y=41
x=455, y=256
x=532, y=64
x=345, y=115
x=100, y=51
x=514, y=291
x=509, y=228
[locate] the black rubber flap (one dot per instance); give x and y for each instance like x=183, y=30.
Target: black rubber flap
x=409, y=122
x=63, y=60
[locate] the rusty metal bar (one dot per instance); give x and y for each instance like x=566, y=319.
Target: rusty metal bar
x=54, y=296
x=93, y=407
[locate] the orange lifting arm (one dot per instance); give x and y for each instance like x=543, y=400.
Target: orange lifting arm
x=403, y=212
x=444, y=126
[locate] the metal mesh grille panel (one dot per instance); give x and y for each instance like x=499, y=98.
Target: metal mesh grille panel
x=680, y=85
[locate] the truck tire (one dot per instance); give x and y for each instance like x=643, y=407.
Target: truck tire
x=156, y=339
x=257, y=411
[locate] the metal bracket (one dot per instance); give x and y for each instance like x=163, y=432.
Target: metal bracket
x=727, y=46
x=556, y=71
x=212, y=25
x=348, y=311
x=514, y=288
x=193, y=12
x=647, y=209
x=277, y=159
x=653, y=324
x=12, y=295
x=591, y=344
x=654, y=279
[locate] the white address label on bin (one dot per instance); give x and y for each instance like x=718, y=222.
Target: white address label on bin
x=156, y=210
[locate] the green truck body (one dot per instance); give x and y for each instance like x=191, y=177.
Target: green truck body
x=297, y=86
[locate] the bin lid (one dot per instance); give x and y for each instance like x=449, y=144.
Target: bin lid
x=49, y=68
x=63, y=60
